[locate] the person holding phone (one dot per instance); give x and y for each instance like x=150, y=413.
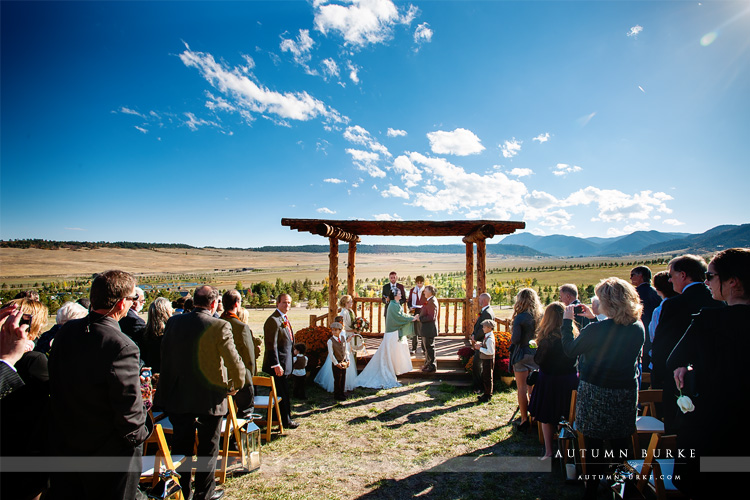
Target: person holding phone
x=569, y=296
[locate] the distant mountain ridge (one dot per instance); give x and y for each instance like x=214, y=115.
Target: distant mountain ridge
x=638, y=242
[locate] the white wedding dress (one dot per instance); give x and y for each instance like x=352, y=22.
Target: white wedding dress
x=324, y=378
x=391, y=359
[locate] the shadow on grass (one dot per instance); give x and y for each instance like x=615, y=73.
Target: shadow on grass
x=501, y=471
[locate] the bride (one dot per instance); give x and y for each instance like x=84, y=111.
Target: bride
x=324, y=378
x=392, y=357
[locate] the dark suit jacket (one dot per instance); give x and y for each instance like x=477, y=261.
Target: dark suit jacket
x=478, y=333
x=674, y=319
x=9, y=380
x=243, y=341
x=650, y=300
x=95, y=390
x=199, y=365
x=134, y=327
x=279, y=342
x=428, y=317
x=387, y=291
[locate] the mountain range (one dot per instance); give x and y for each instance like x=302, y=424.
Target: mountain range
x=639, y=242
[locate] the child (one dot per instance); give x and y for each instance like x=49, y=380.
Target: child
x=339, y=359
x=298, y=371
x=487, y=355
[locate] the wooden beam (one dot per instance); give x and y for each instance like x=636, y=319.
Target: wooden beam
x=481, y=267
x=480, y=234
x=333, y=279
x=324, y=229
x=468, y=312
x=350, y=265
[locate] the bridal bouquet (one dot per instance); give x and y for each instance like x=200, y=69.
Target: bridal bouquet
x=361, y=325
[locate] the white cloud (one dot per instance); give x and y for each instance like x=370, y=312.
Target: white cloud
x=641, y=89
x=360, y=135
x=325, y=210
x=252, y=97
x=394, y=192
x=614, y=205
x=129, y=111
x=250, y=63
x=366, y=161
x=330, y=68
x=215, y=103
x=563, y=169
x=510, y=148
x=540, y=200
x=353, y=72
x=387, y=217
x=141, y=129
x=521, y=172
x=423, y=34
x=360, y=22
x=410, y=174
x=300, y=49
x=673, y=222
x=460, y=142
x=635, y=30
x=542, y=138
x=393, y=132
x=333, y=180
x=555, y=218
x=584, y=120
x=193, y=122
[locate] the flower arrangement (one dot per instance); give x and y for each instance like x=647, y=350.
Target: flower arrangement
x=315, y=339
x=502, y=367
x=466, y=357
x=361, y=325
x=502, y=354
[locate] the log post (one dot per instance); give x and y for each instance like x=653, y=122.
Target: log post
x=333, y=278
x=350, y=276
x=468, y=301
x=481, y=267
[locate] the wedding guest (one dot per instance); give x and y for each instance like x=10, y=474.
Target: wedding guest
x=608, y=353
x=640, y=278
x=245, y=345
x=68, y=311
x=132, y=324
x=299, y=372
x=339, y=360
x=159, y=312
x=568, y=296
x=178, y=306
x=415, y=302
x=244, y=316
x=527, y=311
x=477, y=335
x=666, y=291
x=595, y=309
x=23, y=414
x=85, y=302
x=14, y=338
x=716, y=338
x=428, y=319
x=550, y=401
x=687, y=274
x=278, y=338
x=486, y=350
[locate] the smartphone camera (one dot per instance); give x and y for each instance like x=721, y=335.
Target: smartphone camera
x=579, y=309
x=26, y=319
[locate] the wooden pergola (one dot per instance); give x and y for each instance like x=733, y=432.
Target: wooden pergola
x=474, y=232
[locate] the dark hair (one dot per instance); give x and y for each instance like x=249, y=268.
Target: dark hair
x=188, y=306
x=84, y=302
x=644, y=271
x=662, y=284
x=392, y=293
x=734, y=263
x=205, y=295
x=109, y=287
x=179, y=303
x=692, y=265
x=301, y=348
x=230, y=298
x=338, y=319
x=27, y=294
x=419, y=279
x=278, y=299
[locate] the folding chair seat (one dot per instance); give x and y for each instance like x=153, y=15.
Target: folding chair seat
x=163, y=460
x=657, y=473
x=270, y=403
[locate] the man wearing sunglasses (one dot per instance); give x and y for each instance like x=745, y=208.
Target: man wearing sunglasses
x=98, y=418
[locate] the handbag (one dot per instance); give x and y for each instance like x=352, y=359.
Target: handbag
x=532, y=377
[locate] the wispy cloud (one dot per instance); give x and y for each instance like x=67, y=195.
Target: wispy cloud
x=193, y=122
x=422, y=35
x=542, y=138
x=393, y=132
x=361, y=22
x=359, y=135
x=635, y=30
x=366, y=161
x=129, y=111
x=510, y=148
x=251, y=97
x=386, y=217
x=325, y=210
x=641, y=88
x=521, y=172
x=616, y=206
x=562, y=169
x=333, y=180
x=460, y=142
x=673, y=222
x=394, y=192
x=145, y=131
x=300, y=49
x=353, y=72
x=330, y=68
x=584, y=120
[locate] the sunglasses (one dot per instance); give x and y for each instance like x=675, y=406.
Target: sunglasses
x=710, y=275
x=134, y=298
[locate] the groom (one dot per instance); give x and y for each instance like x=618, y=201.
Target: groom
x=279, y=341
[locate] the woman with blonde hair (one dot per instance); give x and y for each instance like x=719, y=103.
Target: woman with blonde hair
x=23, y=413
x=159, y=312
x=550, y=401
x=608, y=355
x=527, y=311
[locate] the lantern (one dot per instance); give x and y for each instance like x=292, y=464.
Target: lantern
x=250, y=443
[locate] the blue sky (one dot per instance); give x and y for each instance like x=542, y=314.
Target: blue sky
x=207, y=122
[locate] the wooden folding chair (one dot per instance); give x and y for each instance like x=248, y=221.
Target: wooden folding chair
x=648, y=423
x=153, y=464
x=229, y=426
x=270, y=403
x=657, y=473
x=645, y=380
